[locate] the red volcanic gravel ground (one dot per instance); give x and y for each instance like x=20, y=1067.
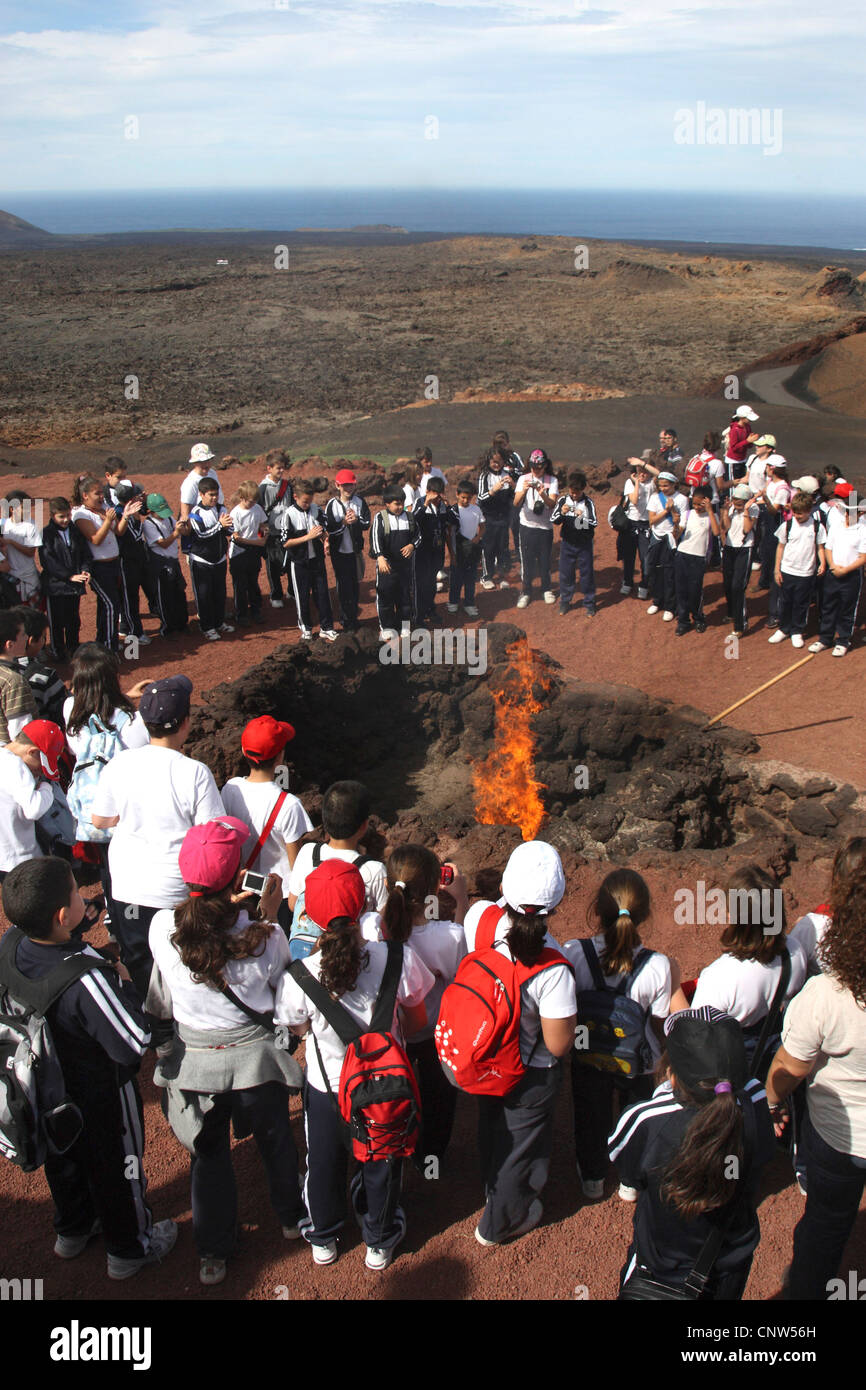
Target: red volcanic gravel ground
x=813, y=719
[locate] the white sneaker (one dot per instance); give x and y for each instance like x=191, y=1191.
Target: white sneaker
x=328, y=633
x=667, y=616
x=452, y=607
x=628, y=1194
x=212, y=635
x=211, y=1270
x=277, y=603
x=549, y=596
x=653, y=608
x=487, y=584
x=387, y=634
x=643, y=593
x=523, y=601
x=756, y=567
x=163, y=1236
x=471, y=611
x=441, y=576
x=533, y=1216
x=70, y=1247
x=306, y=635
x=504, y=584
x=839, y=650
x=377, y=1259
x=777, y=637
x=227, y=627
x=796, y=640
x=817, y=647
x=325, y=1254
x=625, y=588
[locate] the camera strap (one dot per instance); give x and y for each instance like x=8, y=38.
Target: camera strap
x=268, y=827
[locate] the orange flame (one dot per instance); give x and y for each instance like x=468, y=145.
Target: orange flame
x=507, y=791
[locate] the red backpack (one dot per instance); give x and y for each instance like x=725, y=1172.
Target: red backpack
x=377, y=1098
x=478, y=1032
x=698, y=469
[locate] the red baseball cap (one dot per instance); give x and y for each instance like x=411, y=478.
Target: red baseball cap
x=334, y=889
x=210, y=855
x=50, y=741
x=843, y=490
x=345, y=478
x=265, y=737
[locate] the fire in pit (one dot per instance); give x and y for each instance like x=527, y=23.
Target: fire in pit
x=507, y=791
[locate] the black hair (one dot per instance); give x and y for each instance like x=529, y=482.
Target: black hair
x=33, y=622
x=114, y=464
x=166, y=729
x=525, y=935
x=345, y=807
x=96, y=686
x=208, y=484
x=33, y=892
x=577, y=479
x=703, y=490
x=424, y=455
x=10, y=626
x=436, y=485
x=669, y=429
x=16, y=495
x=59, y=504
x=393, y=493
x=303, y=488
x=465, y=485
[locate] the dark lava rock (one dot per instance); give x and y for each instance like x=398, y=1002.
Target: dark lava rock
x=811, y=817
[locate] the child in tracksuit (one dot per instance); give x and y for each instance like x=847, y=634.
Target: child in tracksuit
x=495, y=498
x=347, y=517
x=303, y=542
x=209, y=528
x=432, y=516
x=799, y=558
x=394, y=538
x=101, y=1035
x=467, y=521
x=576, y=515
x=134, y=568
x=64, y=556
x=274, y=496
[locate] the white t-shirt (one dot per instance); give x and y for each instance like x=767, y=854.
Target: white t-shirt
x=339, y=509
x=800, y=556
x=373, y=873
x=108, y=548
x=827, y=1026
x=252, y=802
x=131, y=728
x=696, y=535
x=22, y=801
x=736, y=538
x=550, y=994
x=23, y=567
x=809, y=931
x=665, y=527
x=651, y=989
x=779, y=492
x=247, y=521
x=158, y=793
x=441, y=946
x=715, y=471
x=189, y=487
x=745, y=988
x=155, y=529
x=411, y=494
x=638, y=510
x=846, y=544
x=542, y=522
x=469, y=520
x=255, y=980
x=294, y=1007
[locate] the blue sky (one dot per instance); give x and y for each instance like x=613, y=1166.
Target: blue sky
x=336, y=93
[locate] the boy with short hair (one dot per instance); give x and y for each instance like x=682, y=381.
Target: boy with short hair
x=738, y=521
x=799, y=558
x=347, y=518
x=21, y=540
x=260, y=802
x=249, y=537
x=64, y=556
x=210, y=526
x=275, y=495
x=17, y=702
x=394, y=538
x=303, y=542
x=432, y=517
x=28, y=764
x=467, y=521
x=345, y=822
x=162, y=533
x=100, y=1035
x=48, y=689
x=577, y=517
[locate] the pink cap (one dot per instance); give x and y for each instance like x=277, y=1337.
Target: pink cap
x=210, y=855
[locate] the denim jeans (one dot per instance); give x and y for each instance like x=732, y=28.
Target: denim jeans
x=835, y=1185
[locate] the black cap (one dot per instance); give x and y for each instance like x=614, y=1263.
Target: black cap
x=166, y=702
x=706, y=1045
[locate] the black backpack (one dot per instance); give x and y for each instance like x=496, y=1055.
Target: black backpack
x=37, y=1118
x=616, y=1025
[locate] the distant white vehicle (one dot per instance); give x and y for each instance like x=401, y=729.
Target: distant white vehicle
x=222, y=262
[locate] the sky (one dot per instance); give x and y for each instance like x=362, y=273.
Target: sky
x=148, y=94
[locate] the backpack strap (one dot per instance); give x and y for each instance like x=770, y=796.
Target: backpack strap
x=638, y=962
x=39, y=995
x=591, y=957
x=342, y=1022
x=266, y=830
x=771, y=1022
x=263, y=1020
x=485, y=934
x=317, y=853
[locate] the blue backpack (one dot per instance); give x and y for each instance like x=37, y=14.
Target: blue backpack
x=304, y=932
x=616, y=1024
x=100, y=744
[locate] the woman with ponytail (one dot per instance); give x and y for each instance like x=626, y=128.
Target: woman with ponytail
x=412, y=909
x=515, y=1131
x=694, y=1154
x=216, y=972
x=352, y=971
x=621, y=907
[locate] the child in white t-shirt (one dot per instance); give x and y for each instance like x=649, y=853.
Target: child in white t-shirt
x=846, y=559
x=345, y=821
x=248, y=541
x=261, y=802
x=799, y=558
x=467, y=521
x=21, y=539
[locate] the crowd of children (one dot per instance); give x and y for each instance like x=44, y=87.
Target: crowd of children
x=238, y=931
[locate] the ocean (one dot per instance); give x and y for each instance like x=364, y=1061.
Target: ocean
x=838, y=223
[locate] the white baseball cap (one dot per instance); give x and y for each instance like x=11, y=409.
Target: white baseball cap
x=200, y=453
x=742, y=492
x=806, y=484
x=533, y=878
x=745, y=412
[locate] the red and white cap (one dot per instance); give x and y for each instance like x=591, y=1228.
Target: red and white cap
x=50, y=741
x=210, y=855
